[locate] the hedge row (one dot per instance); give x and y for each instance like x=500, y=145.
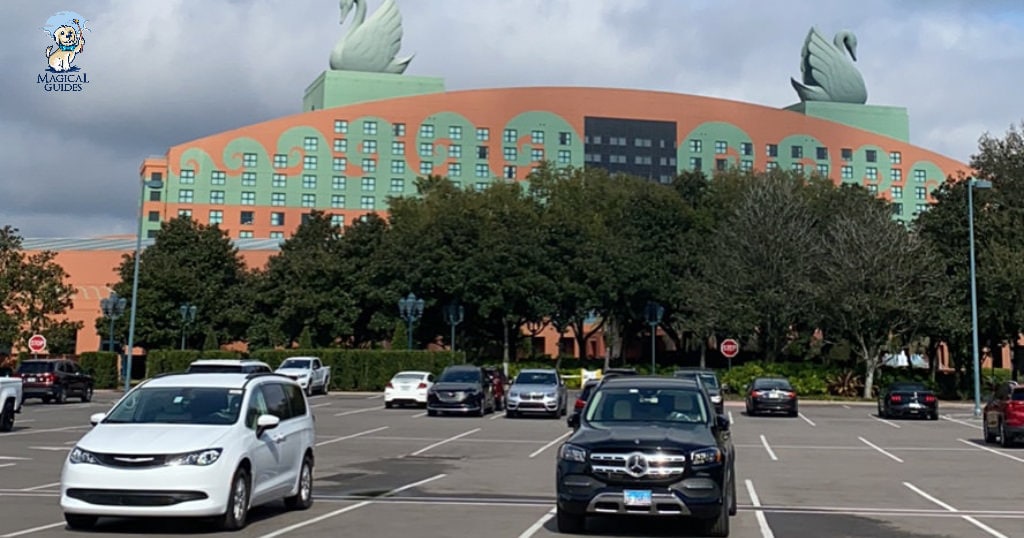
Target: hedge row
x=364, y=369
x=103, y=366
x=162, y=361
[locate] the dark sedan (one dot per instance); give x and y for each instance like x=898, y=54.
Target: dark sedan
x=908, y=399
x=772, y=394
x=461, y=389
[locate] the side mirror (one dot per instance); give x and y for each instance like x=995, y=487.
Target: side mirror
x=266, y=422
x=573, y=421
x=722, y=422
x=316, y=366
x=96, y=418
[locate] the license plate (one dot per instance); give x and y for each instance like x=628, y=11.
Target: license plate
x=915, y=405
x=403, y=387
x=637, y=497
x=774, y=395
x=31, y=379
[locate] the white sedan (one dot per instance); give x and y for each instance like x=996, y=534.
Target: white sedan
x=408, y=388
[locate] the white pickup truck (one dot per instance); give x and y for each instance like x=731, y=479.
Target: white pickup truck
x=310, y=372
x=10, y=401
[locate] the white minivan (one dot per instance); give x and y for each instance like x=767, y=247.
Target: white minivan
x=210, y=445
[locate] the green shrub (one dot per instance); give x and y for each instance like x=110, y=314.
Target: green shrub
x=162, y=361
x=103, y=365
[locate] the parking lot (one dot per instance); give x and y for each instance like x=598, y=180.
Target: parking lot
x=835, y=471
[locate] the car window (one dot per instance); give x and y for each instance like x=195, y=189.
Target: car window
x=536, y=378
x=257, y=407
x=277, y=401
x=34, y=367
x=295, y=363
x=911, y=387
x=298, y=400
x=430, y=378
x=1018, y=395
x=214, y=369
x=407, y=378
x=768, y=384
x=616, y=405
x=460, y=376
x=176, y=405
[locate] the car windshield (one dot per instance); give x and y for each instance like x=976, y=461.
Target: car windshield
x=35, y=367
x=536, y=378
x=295, y=363
x=769, y=384
x=407, y=377
x=177, y=405
x=669, y=406
x=460, y=376
x=214, y=368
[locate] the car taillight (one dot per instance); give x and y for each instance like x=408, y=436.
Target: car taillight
x=929, y=398
x=1015, y=406
x=896, y=398
x=580, y=403
x=421, y=386
x=791, y=394
x=390, y=385
x=755, y=393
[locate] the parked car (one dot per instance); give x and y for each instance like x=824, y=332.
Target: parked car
x=538, y=391
x=11, y=396
x=581, y=400
x=1003, y=415
x=771, y=394
x=461, y=389
x=501, y=386
x=311, y=374
x=612, y=372
x=183, y=445
x=410, y=387
x=227, y=366
x=709, y=379
x=55, y=380
x=908, y=399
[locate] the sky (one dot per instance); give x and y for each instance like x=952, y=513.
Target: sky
x=164, y=73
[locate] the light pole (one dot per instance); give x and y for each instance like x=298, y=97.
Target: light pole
x=454, y=313
x=152, y=184
x=653, y=312
x=188, y=315
x=410, y=309
x=971, y=185
x=113, y=308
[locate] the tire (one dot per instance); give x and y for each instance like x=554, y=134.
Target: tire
x=733, y=505
x=47, y=399
x=78, y=522
x=327, y=386
x=934, y=415
x=388, y=405
x=7, y=417
x=719, y=526
x=303, y=497
x=238, y=502
x=431, y=413
x=569, y=523
x=989, y=436
x=62, y=396
x=1004, y=440
x=511, y=414
x=87, y=394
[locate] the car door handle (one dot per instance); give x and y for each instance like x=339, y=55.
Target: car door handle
x=278, y=438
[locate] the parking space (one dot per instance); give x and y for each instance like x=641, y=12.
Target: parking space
x=836, y=470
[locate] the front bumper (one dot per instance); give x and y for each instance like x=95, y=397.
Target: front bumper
x=699, y=495
x=520, y=404
x=472, y=403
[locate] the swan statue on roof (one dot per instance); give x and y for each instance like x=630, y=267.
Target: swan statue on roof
x=828, y=74
x=370, y=45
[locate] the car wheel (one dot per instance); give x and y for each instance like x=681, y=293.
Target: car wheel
x=1004, y=440
x=990, y=437
x=46, y=399
x=62, y=396
x=569, y=523
x=431, y=413
x=303, y=498
x=934, y=415
x=87, y=394
x=719, y=526
x=511, y=414
x=388, y=405
x=238, y=502
x=733, y=506
x=79, y=521
x=7, y=417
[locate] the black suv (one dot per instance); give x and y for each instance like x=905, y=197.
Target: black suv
x=648, y=446
x=55, y=380
x=462, y=389
x=709, y=379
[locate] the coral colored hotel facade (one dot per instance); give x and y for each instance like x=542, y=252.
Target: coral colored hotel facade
x=364, y=137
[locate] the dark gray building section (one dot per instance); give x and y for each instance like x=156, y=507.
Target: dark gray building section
x=642, y=148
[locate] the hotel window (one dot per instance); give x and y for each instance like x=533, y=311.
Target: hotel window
x=309, y=181
x=665, y=179
x=483, y=133
x=639, y=159
x=589, y=157
x=696, y=146
x=771, y=150
x=746, y=165
x=537, y=137
x=370, y=128
x=279, y=181
x=511, y=154
x=426, y=168
x=184, y=213
x=821, y=153
x=695, y=163
x=185, y=196
x=920, y=193
x=896, y=191
x=367, y=202
x=455, y=132
x=772, y=165
x=248, y=198
x=457, y=184
x=798, y=167
x=482, y=170
x=873, y=189
x=398, y=148
x=537, y=155
x=399, y=129
x=796, y=152
x=846, y=171
x=277, y=235
x=309, y=162
x=895, y=157
x=482, y=152
x=370, y=146
x=398, y=167
x=338, y=221
x=455, y=151
x=510, y=135
x=308, y=200
x=339, y=164
x=155, y=196
x=277, y=199
x=426, y=131
x=248, y=179
x=246, y=218
x=721, y=146
x=310, y=143
x=426, y=149
x=218, y=177
x=338, y=201
x=216, y=197
x=397, y=184
x=510, y=172
x=188, y=177
x=369, y=165
x=617, y=159
x=920, y=176
x=280, y=160
x=897, y=209
x=721, y=164
x=921, y=208
x=341, y=145
x=643, y=142
x=154, y=216
x=847, y=154
x=277, y=219
x=454, y=169
x=369, y=184
x=823, y=170
x=341, y=126
x=338, y=183
x=596, y=139
x=249, y=160
x=564, y=138
x=216, y=216
x=872, y=173
x=896, y=175
x=245, y=234
x=480, y=186
x=871, y=156
x=746, y=149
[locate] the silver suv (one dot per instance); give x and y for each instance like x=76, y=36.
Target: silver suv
x=537, y=391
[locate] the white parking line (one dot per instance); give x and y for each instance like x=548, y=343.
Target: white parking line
x=16, y=457
x=49, y=430
x=880, y=449
x=539, y=524
x=353, y=436
x=957, y=421
x=375, y=396
x=44, y=486
x=807, y=420
x=730, y=418
x=354, y=411
x=33, y=529
x=340, y=511
x=423, y=414
x=968, y=519
x=845, y=406
x=549, y=445
x=762, y=522
x=325, y=404
x=769, y=449
x=7, y=464
x=893, y=424
x=987, y=449
x=448, y=440
x=496, y=416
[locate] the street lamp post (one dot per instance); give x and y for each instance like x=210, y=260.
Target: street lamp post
x=653, y=312
x=971, y=185
x=454, y=313
x=113, y=308
x=410, y=308
x=188, y=315
x=152, y=184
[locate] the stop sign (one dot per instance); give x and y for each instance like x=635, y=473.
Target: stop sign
x=37, y=344
x=730, y=348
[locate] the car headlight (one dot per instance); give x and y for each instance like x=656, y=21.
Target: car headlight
x=706, y=456
x=549, y=395
x=572, y=453
x=78, y=455
x=199, y=457
x=716, y=398
x=513, y=394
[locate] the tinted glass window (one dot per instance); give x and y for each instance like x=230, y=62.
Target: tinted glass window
x=35, y=367
x=257, y=407
x=214, y=368
x=709, y=380
x=298, y=400
x=1018, y=395
x=277, y=401
x=918, y=387
x=536, y=378
x=460, y=376
x=295, y=363
x=408, y=378
x=763, y=384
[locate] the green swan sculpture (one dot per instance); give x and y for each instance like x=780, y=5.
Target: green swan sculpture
x=828, y=74
x=370, y=45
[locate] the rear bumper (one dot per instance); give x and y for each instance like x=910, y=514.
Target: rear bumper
x=774, y=405
x=906, y=410
x=38, y=391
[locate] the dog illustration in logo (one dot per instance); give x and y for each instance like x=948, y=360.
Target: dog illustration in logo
x=69, y=43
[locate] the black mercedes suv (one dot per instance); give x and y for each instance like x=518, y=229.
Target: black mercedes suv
x=648, y=446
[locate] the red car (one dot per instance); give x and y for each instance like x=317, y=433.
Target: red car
x=1003, y=416
x=500, y=383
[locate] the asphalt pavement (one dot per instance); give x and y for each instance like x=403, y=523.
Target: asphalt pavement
x=835, y=471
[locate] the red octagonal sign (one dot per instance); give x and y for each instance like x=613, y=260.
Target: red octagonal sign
x=37, y=344
x=730, y=348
